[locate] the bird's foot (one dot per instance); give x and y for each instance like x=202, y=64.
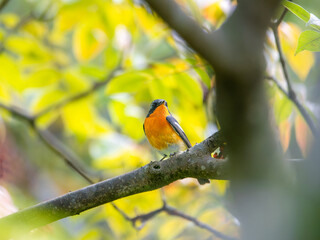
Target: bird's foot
x=163, y=157
x=172, y=154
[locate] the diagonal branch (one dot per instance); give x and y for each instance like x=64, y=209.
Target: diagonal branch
x=174, y=212
x=3, y=4
x=92, y=89
x=196, y=36
x=72, y=159
x=290, y=93
x=69, y=158
x=283, y=62
x=196, y=162
x=297, y=103
x=143, y=218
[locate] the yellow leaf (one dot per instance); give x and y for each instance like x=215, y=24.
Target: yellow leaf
x=161, y=69
x=88, y=42
x=129, y=117
x=36, y=28
x=9, y=20
x=75, y=82
x=45, y=120
x=214, y=13
x=81, y=119
x=140, y=203
x=10, y=73
x=91, y=235
x=30, y=49
x=128, y=157
x=220, y=186
x=302, y=62
x=68, y=16
x=121, y=228
x=285, y=132
x=303, y=135
x=48, y=97
x=171, y=228
x=221, y=220
x=129, y=82
x=4, y=93
x=43, y=77
x=149, y=23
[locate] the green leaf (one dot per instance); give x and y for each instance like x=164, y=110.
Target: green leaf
x=314, y=22
x=129, y=82
x=309, y=40
x=297, y=10
x=204, y=76
x=282, y=108
x=190, y=88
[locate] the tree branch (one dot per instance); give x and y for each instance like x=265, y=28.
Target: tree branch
x=174, y=212
x=69, y=158
x=196, y=162
x=72, y=160
x=290, y=93
x=299, y=106
x=92, y=89
x=196, y=36
x=283, y=61
x=3, y=4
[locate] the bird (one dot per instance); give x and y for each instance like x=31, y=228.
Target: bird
x=164, y=133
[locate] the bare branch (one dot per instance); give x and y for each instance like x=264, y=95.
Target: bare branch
x=143, y=218
x=185, y=26
x=283, y=62
x=3, y=4
x=174, y=212
x=69, y=158
x=291, y=93
x=81, y=95
x=280, y=19
x=196, y=162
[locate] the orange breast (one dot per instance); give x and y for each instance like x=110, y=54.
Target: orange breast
x=158, y=130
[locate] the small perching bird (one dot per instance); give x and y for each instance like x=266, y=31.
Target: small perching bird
x=164, y=133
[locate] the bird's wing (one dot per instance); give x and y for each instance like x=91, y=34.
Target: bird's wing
x=176, y=126
x=144, y=129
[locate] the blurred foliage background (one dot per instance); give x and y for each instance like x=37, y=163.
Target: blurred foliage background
x=52, y=50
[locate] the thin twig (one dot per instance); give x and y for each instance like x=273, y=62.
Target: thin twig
x=290, y=93
x=81, y=95
x=280, y=19
x=300, y=107
x=23, y=21
x=69, y=158
x=143, y=218
x=174, y=212
x=283, y=62
x=3, y=4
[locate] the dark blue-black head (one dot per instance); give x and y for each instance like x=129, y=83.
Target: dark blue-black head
x=156, y=103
